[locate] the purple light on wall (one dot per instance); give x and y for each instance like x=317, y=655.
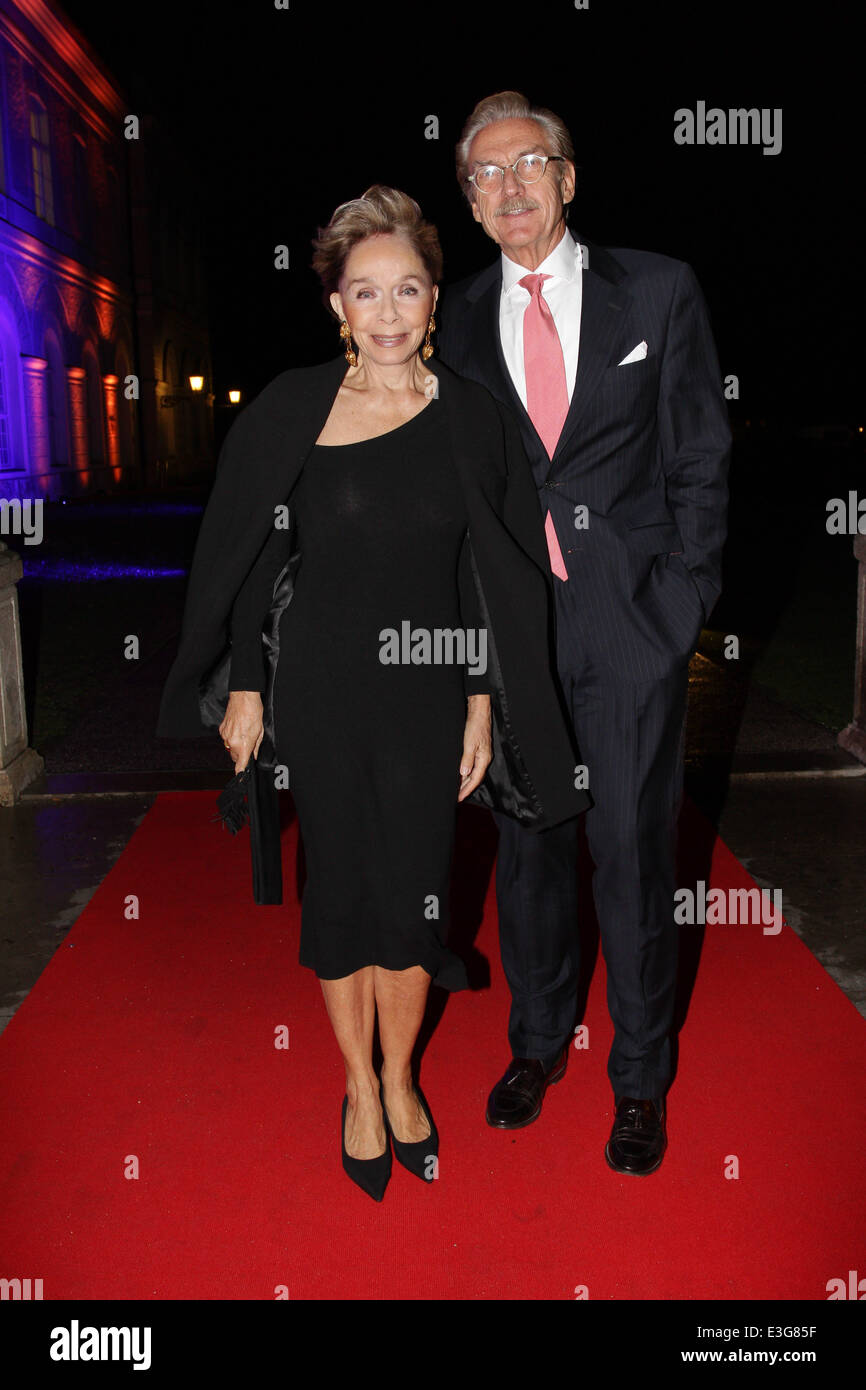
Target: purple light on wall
x=77, y=572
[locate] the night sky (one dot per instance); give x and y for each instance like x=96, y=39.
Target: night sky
x=776, y=240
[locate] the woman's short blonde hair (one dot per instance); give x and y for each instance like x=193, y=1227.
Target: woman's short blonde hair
x=378, y=212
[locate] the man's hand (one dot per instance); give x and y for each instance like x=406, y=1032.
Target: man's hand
x=243, y=728
x=477, y=745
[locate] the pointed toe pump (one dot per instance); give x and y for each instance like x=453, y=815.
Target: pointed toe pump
x=416, y=1157
x=370, y=1174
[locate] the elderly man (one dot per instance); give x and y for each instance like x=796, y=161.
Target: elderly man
x=608, y=361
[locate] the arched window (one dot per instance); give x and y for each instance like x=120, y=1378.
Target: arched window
x=81, y=189
x=13, y=449
x=3, y=109
x=125, y=415
x=40, y=157
x=55, y=400
x=116, y=221
x=95, y=405
x=5, y=443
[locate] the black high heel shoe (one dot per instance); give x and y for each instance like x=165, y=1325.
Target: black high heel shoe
x=416, y=1156
x=371, y=1174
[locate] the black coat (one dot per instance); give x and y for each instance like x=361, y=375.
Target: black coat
x=532, y=774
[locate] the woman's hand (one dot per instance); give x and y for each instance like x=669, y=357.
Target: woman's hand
x=243, y=727
x=477, y=745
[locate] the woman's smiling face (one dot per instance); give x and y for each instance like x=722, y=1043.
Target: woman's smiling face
x=386, y=296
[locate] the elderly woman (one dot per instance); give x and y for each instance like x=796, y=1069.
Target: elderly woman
x=339, y=638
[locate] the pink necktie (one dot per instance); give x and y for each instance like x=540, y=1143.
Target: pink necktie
x=546, y=389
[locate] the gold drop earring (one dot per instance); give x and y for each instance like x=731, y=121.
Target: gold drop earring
x=427, y=349
x=346, y=335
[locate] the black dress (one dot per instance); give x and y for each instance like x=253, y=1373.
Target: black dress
x=372, y=747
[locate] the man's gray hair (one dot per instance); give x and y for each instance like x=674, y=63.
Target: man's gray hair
x=509, y=106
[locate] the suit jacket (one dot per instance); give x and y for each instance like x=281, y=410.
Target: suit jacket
x=644, y=450
x=531, y=776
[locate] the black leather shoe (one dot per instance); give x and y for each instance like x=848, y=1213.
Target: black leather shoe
x=516, y=1099
x=637, y=1141
x=371, y=1174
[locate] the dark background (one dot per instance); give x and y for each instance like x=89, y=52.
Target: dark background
x=281, y=115
x=247, y=90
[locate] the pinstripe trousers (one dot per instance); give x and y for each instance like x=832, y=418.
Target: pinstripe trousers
x=631, y=738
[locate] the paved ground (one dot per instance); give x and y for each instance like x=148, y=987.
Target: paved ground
x=786, y=800
x=792, y=807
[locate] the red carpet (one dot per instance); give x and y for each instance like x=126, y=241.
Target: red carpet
x=155, y=1038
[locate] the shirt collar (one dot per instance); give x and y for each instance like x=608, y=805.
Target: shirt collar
x=564, y=262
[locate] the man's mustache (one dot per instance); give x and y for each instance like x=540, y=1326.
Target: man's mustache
x=516, y=205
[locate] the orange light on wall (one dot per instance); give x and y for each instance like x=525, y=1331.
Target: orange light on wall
x=234, y=397
x=196, y=383
x=112, y=433
x=80, y=448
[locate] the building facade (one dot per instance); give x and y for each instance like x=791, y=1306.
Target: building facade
x=102, y=302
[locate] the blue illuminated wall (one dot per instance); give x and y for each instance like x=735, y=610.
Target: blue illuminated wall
x=79, y=231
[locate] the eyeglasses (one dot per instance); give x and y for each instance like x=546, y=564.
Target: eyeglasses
x=529, y=168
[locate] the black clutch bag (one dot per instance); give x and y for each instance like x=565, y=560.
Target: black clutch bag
x=251, y=796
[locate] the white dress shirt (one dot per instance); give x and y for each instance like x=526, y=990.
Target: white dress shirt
x=564, y=294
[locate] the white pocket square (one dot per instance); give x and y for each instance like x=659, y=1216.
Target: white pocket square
x=635, y=355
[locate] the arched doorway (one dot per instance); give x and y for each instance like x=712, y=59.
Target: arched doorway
x=95, y=408
x=13, y=436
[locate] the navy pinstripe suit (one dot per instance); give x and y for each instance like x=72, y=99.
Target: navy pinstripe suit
x=637, y=489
